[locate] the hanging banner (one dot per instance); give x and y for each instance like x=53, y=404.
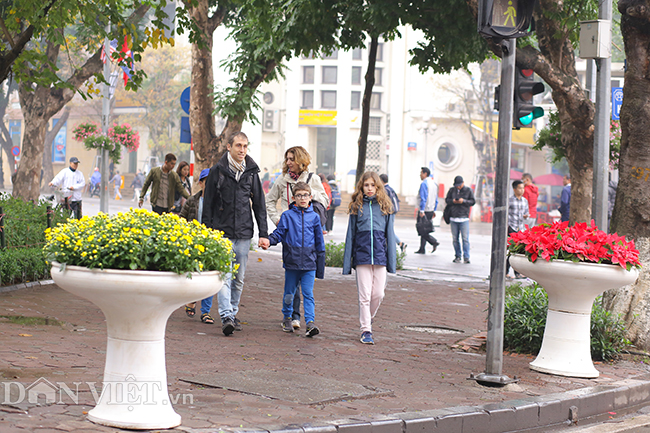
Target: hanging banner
x=317, y=118
x=59, y=142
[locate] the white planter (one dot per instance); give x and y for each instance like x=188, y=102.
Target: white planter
x=572, y=289
x=137, y=305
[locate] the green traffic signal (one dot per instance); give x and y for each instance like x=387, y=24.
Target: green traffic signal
x=536, y=113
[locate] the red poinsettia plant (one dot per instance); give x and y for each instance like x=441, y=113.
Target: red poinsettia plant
x=581, y=242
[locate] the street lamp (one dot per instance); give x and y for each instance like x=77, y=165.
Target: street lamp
x=427, y=129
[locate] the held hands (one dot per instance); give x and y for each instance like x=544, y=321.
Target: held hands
x=264, y=243
x=140, y=203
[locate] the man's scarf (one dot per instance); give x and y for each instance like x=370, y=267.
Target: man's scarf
x=236, y=167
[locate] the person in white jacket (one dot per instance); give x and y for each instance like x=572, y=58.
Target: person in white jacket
x=72, y=182
x=295, y=168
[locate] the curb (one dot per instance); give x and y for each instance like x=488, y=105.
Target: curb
x=25, y=285
x=529, y=414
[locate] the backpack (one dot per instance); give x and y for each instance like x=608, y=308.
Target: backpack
x=317, y=206
x=336, y=197
x=394, y=198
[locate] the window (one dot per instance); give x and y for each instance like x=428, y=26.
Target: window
x=356, y=54
x=374, y=126
x=378, y=75
x=308, y=75
x=375, y=101
x=447, y=154
x=307, y=99
x=356, y=101
x=328, y=99
x=356, y=75
x=329, y=74
x=380, y=52
x=333, y=56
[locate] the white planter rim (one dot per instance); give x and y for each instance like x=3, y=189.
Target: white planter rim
x=561, y=262
x=134, y=271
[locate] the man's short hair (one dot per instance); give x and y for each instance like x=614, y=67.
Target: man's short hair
x=426, y=170
x=527, y=176
x=384, y=178
x=568, y=176
x=516, y=183
x=170, y=157
x=231, y=139
x=301, y=186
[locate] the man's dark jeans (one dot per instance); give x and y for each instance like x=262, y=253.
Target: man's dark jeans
x=160, y=210
x=428, y=237
x=75, y=207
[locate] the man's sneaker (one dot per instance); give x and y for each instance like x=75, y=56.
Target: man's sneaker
x=420, y=251
x=366, y=338
x=312, y=329
x=467, y=261
x=295, y=324
x=237, y=324
x=435, y=247
x=227, y=326
x=456, y=260
x=286, y=325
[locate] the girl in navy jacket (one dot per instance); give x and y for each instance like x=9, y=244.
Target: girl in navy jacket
x=303, y=255
x=370, y=247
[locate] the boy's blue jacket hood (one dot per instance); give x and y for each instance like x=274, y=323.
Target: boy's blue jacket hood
x=303, y=244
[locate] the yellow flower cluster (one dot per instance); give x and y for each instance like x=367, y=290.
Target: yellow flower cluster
x=139, y=239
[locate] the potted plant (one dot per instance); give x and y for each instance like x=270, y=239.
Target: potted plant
x=118, y=136
x=137, y=267
x=574, y=264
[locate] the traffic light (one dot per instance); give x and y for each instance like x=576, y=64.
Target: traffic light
x=497, y=94
x=524, y=112
x=505, y=19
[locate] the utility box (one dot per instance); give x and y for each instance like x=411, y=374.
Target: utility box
x=595, y=39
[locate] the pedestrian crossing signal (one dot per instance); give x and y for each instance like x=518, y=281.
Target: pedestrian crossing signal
x=524, y=112
x=505, y=19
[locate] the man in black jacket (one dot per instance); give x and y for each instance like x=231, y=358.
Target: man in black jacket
x=460, y=198
x=231, y=187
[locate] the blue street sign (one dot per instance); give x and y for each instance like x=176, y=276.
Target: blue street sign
x=15, y=151
x=185, y=101
x=617, y=101
x=186, y=135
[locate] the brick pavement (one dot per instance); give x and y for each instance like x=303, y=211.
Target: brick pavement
x=421, y=369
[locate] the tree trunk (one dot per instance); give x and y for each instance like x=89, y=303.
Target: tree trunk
x=365, y=108
x=48, y=171
x=631, y=216
x=202, y=126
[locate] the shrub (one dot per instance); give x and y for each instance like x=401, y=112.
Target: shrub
x=334, y=253
x=525, y=318
x=22, y=265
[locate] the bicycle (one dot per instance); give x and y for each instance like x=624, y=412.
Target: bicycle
x=64, y=205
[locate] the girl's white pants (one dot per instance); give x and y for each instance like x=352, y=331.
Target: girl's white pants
x=371, y=282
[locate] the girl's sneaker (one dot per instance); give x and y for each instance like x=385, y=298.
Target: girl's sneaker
x=312, y=329
x=366, y=338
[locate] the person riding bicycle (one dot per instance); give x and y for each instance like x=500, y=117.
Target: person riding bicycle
x=95, y=180
x=72, y=182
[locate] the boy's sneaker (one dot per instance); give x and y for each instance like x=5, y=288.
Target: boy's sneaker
x=366, y=338
x=456, y=260
x=237, y=324
x=466, y=261
x=286, y=325
x=295, y=324
x=312, y=329
x=227, y=326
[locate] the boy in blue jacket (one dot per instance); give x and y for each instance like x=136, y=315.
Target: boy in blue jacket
x=303, y=254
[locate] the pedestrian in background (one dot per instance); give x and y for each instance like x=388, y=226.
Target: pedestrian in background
x=183, y=172
x=72, y=182
x=136, y=184
x=193, y=210
x=328, y=191
x=117, y=183
x=611, y=199
x=460, y=198
x=565, y=198
x=164, y=182
x=517, y=215
x=396, y=201
x=334, y=203
x=303, y=256
x=428, y=195
x=531, y=193
x=233, y=191
x=370, y=247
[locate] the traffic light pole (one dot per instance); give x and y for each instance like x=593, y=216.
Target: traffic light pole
x=494, y=357
x=106, y=101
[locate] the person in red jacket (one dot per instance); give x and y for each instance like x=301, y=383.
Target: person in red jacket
x=530, y=193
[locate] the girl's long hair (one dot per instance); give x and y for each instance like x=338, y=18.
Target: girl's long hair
x=180, y=168
x=300, y=156
x=385, y=203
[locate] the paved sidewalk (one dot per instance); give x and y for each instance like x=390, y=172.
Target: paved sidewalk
x=412, y=374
